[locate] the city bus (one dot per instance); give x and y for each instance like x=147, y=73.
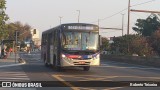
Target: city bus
x=71, y=45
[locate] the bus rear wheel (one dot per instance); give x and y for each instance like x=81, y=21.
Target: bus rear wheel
x=45, y=63
x=86, y=68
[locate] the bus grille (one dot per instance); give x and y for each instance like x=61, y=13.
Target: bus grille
x=82, y=58
x=77, y=63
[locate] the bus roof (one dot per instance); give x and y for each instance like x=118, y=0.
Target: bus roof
x=67, y=24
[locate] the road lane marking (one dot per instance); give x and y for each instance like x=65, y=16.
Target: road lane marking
x=16, y=78
x=107, y=77
x=2, y=66
x=60, y=78
x=66, y=83
x=13, y=73
x=113, y=88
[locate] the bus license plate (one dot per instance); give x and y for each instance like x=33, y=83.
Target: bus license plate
x=82, y=62
x=89, y=56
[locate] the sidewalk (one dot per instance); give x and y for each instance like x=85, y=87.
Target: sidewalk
x=10, y=60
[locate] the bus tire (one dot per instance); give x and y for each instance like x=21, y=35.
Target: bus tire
x=55, y=66
x=45, y=63
x=86, y=68
x=58, y=68
x=54, y=61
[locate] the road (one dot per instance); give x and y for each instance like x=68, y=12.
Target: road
x=34, y=70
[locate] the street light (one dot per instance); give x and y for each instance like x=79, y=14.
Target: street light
x=122, y=23
x=60, y=18
x=128, y=17
x=78, y=15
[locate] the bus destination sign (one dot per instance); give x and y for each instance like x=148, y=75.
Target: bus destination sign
x=80, y=27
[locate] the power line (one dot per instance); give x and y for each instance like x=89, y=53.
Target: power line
x=110, y=16
x=121, y=11
x=142, y=3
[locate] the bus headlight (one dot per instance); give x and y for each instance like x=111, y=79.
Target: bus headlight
x=96, y=57
x=63, y=56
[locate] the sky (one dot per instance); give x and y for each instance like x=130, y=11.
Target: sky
x=45, y=14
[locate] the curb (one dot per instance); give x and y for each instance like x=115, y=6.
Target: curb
x=20, y=60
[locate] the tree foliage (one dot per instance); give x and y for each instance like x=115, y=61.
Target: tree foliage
x=105, y=43
x=23, y=29
x=132, y=44
x=155, y=41
x=147, y=27
x=3, y=18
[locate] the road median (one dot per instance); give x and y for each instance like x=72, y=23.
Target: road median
x=146, y=61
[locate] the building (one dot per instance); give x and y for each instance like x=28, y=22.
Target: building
x=36, y=42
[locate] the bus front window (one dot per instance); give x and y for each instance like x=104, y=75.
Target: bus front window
x=80, y=41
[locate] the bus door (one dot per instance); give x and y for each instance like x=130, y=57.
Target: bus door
x=48, y=48
x=51, y=47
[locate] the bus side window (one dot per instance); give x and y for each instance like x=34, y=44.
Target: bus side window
x=55, y=37
x=44, y=39
x=52, y=39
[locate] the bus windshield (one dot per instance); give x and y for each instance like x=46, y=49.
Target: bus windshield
x=80, y=40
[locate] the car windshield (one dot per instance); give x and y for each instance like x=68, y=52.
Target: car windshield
x=80, y=40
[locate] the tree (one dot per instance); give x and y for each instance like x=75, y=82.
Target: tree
x=23, y=29
x=3, y=18
x=147, y=27
x=132, y=44
x=105, y=43
x=155, y=41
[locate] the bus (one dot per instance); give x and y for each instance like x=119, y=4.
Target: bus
x=71, y=45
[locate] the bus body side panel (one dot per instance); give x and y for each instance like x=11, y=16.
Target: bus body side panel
x=59, y=47
x=48, y=48
x=54, y=48
x=51, y=48
x=43, y=47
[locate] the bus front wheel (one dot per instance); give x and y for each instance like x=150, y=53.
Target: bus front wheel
x=86, y=68
x=45, y=63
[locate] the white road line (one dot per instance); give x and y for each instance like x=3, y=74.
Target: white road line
x=12, y=73
x=3, y=72
x=7, y=78
x=15, y=75
x=2, y=66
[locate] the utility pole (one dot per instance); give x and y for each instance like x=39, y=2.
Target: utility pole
x=122, y=23
x=60, y=18
x=128, y=17
x=98, y=27
x=78, y=15
x=16, y=34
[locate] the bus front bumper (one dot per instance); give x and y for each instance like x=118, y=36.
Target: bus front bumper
x=69, y=62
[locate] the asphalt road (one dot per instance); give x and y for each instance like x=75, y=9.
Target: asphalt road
x=110, y=72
